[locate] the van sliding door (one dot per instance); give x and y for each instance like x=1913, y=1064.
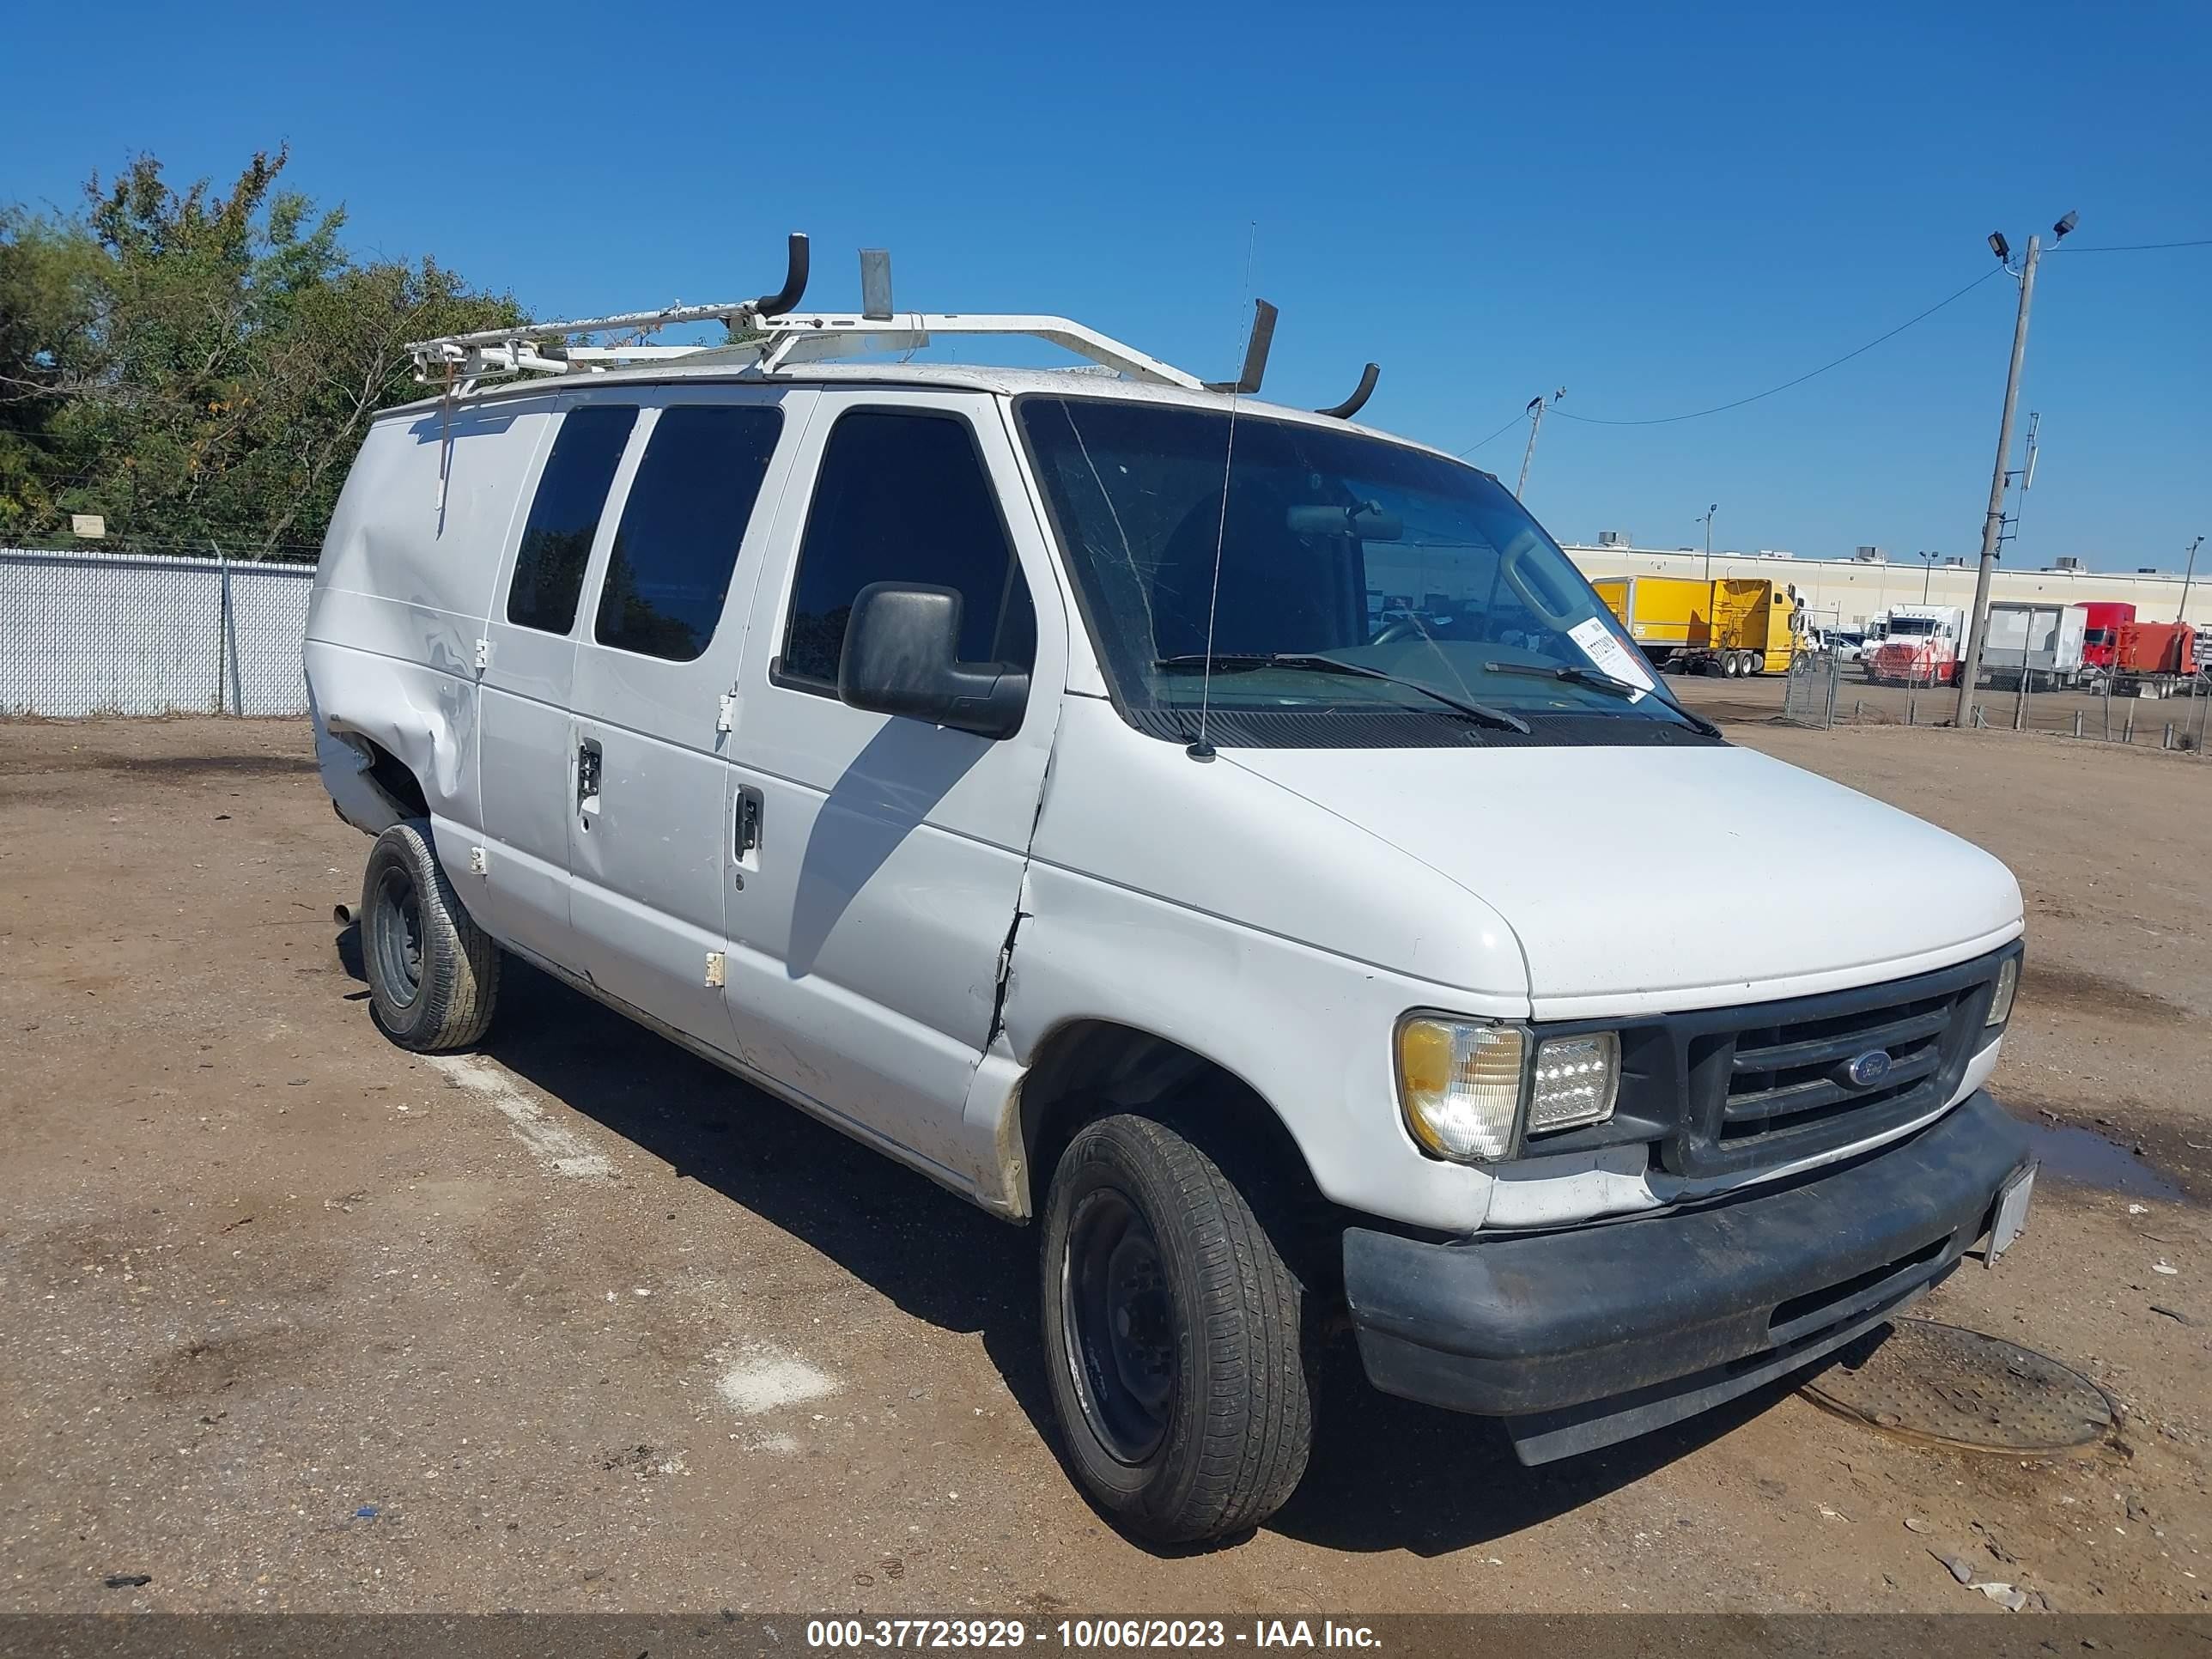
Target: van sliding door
x=652, y=843
x=528, y=678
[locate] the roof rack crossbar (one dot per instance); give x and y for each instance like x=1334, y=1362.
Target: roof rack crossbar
x=776, y=336
x=785, y=340
x=814, y=336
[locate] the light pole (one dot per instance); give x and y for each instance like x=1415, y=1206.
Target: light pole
x=1993, y=521
x=2182, y=615
x=1928, y=560
x=1709, y=511
x=1535, y=411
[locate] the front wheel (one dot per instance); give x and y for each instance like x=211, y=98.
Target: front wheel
x=433, y=973
x=1172, y=1329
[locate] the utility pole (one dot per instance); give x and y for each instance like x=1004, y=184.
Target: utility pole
x=1970, y=671
x=1709, y=511
x=1535, y=412
x=2182, y=615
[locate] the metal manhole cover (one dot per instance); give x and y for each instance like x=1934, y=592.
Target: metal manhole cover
x=1958, y=1387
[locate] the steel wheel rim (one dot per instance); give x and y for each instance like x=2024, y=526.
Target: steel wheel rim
x=1117, y=1321
x=395, y=926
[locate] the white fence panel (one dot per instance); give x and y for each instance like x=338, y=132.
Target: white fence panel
x=87, y=634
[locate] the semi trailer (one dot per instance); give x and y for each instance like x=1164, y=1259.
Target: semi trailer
x=1731, y=626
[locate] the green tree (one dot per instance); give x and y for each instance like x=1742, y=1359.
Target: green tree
x=200, y=365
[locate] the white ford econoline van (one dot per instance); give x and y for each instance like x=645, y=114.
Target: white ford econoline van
x=1235, y=839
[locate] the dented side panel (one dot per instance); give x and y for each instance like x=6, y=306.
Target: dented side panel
x=1198, y=904
x=400, y=596
x=424, y=716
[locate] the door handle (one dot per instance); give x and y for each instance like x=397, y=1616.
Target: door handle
x=745, y=834
x=588, y=766
x=747, y=837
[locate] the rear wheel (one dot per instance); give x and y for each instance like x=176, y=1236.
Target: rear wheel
x=433, y=973
x=1173, y=1338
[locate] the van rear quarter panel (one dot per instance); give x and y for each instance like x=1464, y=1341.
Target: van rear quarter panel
x=406, y=581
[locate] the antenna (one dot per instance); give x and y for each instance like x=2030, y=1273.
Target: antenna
x=1263, y=315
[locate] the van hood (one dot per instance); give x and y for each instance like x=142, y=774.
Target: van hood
x=1648, y=880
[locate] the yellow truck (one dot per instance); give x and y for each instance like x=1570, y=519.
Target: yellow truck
x=1730, y=626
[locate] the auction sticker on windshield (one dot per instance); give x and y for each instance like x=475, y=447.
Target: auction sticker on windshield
x=1608, y=655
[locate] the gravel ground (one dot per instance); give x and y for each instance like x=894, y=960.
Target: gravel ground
x=299, y=1320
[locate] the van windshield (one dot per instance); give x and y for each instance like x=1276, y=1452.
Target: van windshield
x=1329, y=545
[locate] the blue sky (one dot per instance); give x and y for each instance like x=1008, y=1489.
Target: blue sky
x=1658, y=208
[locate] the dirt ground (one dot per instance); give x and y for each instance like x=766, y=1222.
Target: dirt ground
x=295, y=1320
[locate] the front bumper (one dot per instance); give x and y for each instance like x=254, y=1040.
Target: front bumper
x=1583, y=1338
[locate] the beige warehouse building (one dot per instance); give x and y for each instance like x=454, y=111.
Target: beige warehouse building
x=1856, y=588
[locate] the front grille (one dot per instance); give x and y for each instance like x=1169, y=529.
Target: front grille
x=1783, y=1077
x=1765, y=1085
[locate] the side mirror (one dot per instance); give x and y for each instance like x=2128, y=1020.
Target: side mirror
x=902, y=657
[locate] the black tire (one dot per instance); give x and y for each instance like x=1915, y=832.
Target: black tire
x=1173, y=1341
x=433, y=973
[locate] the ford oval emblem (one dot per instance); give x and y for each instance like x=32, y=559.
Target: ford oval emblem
x=1869, y=1069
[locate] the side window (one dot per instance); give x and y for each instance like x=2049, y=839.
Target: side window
x=904, y=497
x=678, y=542
x=564, y=516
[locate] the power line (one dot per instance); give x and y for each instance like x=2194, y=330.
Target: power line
x=2135, y=247
x=1512, y=421
x=1717, y=409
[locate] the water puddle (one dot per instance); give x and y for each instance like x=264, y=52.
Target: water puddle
x=2085, y=1157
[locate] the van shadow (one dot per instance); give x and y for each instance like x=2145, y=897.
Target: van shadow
x=887, y=792
x=1390, y=1474
x=1387, y=1475
x=936, y=1257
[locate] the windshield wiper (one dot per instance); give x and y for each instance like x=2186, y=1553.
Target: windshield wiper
x=1576, y=674
x=1198, y=660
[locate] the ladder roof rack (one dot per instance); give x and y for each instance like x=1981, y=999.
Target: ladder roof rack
x=780, y=337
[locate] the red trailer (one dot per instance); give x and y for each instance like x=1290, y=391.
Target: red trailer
x=2153, y=660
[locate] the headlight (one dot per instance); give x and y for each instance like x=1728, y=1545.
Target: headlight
x=1458, y=1083
x=1465, y=1088
x=2007, y=982
x=1576, y=1078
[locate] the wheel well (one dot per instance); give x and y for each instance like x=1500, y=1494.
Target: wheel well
x=1090, y=1067
x=390, y=774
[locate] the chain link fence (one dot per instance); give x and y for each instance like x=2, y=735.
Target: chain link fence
x=2169, y=712
x=1809, y=697
x=89, y=634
